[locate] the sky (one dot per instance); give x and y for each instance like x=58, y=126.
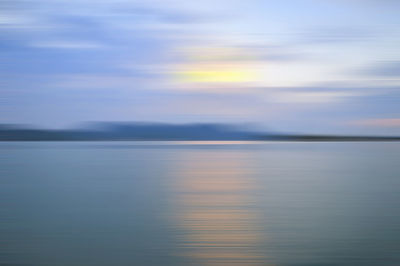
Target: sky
x=306, y=66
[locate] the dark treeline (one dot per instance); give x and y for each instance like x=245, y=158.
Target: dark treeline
x=127, y=131
x=160, y=131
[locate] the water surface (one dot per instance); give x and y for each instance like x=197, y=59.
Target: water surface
x=200, y=203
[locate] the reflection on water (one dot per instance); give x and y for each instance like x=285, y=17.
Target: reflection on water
x=216, y=209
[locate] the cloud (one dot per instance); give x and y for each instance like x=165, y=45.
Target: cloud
x=311, y=96
x=381, y=122
x=161, y=15
x=390, y=69
x=14, y=20
x=336, y=35
x=275, y=53
x=100, y=82
x=68, y=45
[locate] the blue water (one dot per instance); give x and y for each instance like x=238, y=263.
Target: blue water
x=200, y=203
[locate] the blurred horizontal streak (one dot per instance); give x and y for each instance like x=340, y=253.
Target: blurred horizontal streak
x=215, y=210
x=218, y=200
x=382, y=122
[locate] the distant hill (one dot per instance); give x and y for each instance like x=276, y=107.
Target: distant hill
x=105, y=131
x=128, y=131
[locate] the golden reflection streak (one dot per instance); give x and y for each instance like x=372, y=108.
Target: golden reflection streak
x=215, y=210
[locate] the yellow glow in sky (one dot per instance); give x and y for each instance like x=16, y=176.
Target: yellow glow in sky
x=216, y=76
x=216, y=65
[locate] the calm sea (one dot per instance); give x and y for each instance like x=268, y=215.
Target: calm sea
x=200, y=203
